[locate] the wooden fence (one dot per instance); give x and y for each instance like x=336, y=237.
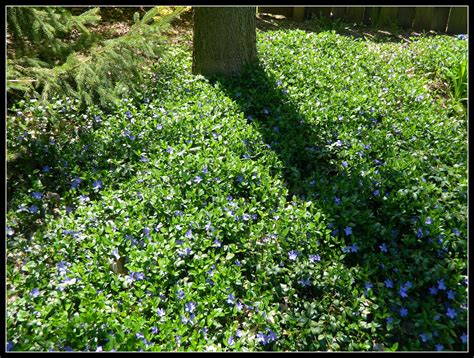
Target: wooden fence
x=450, y=19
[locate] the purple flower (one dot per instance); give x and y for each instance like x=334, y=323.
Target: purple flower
x=237, y=263
x=197, y=180
x=33, y=209
x=464, y=338
x=424, y=337
x=451, y=313
x=271, y=335
x=143, y=159
x=376, y=192
x=35, y=292
x=97, y=184
x=338, y=143
x=181, y=294
x=344, y=164
x=388, y=283
x=190, y=307
x=441, y=284
x=99, y=349
x=239, y=305
x=433, y=290
x=314, y=258
x=159, y=127
x=230, y=299
x=439, y=347
x=389, y=320
x=305, y=282
x=451, y=294
x=292, y=255
x=170, y=150
x=262, y=338
x=46, y=169
x=230, y=341
x=9, y=346
x=403, y=292
x=246, y=217
x=217, y=243
x=354, y=248
x=37, y=195
x=456, y=232
x=83, y=199
x=337, y=201
x=403, y=312
x=161, y=312
x=189, y=234
x=428, y=221
x=154, y=330
x=419, y=233
x=76, y=183
x=383, y=247
x=348, y=230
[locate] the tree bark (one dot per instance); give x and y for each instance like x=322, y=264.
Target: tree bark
x=224, y=40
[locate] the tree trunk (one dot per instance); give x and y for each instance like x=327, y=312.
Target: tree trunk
x=224, y=40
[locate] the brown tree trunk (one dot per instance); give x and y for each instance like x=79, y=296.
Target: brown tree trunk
x=224, y=39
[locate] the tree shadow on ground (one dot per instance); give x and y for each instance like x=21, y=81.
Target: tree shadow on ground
x=266, y=105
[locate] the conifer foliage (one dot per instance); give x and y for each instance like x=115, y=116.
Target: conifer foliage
x=51, y=52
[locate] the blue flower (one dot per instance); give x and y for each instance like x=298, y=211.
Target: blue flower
x=388, y=283
x=376, y=192
x=451, y=295
x=428, y=221
x=97, y=184
x=337, y=201
x=181, y=294
x=161, y=312
x=76, y=183
x=35, y=292
x=441, y=284
x=424, y=337
x=292, y=255
x=383, y=247
x=46, y=168
x=37, y=195
x=189, y=234
x=33, y=209
x=237, y=263
x=451, y=313
x=338, y=143
x=190, y=307
x=128, y=114
x=403, y=312
x=439, y=347
x=433, y=290
x=344, y=164
x=230, y=341
x=217, y=243
x=368, y=285
x=456, y=232
x=262, y=338
x=9, y=346
x=419, y=233
x=348, y=230
x=238, y=333
x=354, y=248
x=197, y=180
x=266, y=111
x=464, y=338
x=143, y=159
x=389, y=320
x=305, y=282
x=230, y=299
x=403, y=292
x=314, y=258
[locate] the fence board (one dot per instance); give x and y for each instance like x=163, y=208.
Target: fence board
x=405, y=17
x=317, y=11
x=457, y=23
x=298, y=13
x=371, y=15
x=355, y=14
x=339, y=12
x=387, y=16
x=422, y=19
x=439, y=20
